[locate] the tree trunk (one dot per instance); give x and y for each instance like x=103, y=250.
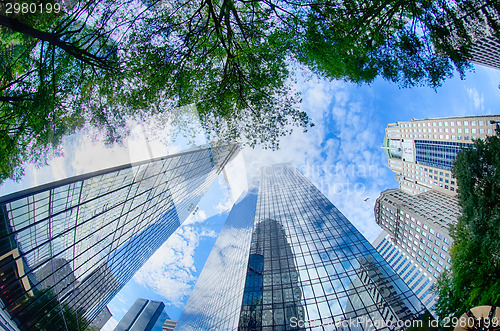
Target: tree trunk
x=54, y=39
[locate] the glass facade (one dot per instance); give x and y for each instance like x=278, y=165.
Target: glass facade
x=271, y=282
x=215, y=302
x=144, y=315
x=438, y=154
x=305, y=267
x=412, y=274
x=68, y=247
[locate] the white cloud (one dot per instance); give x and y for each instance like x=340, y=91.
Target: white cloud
x=233, y=183
x=85, y=151
x=121, y=299
x=235, y=176
x=92, y=154
x=170, y=271
x=225, y=204
x=348, y=166
x=196, y=217
x=477, y=99
x=230, y=251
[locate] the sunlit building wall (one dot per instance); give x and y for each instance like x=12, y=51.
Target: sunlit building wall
x=486, y=51
x=421, y=151
x=419, y=280
x=288, y=259
x=479, y=25
x=416, y=240
x=144, y=315
x=68, y=247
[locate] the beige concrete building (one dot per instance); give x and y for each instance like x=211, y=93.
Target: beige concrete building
x=417, y=216
x=421, y=151
x=486, y=52
x=479, y=26
x=416, y=241
x=419, y=224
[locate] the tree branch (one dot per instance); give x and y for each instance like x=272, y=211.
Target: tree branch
x=54, y=39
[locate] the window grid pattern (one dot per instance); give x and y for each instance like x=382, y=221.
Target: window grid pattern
x=419, y=281
x=339, y=274
x=400, y=144
x=306, y=261
x=72, y=245
x=419, y=224
x=438, y=154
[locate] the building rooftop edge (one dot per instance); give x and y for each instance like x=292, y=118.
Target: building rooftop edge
x=43, y=187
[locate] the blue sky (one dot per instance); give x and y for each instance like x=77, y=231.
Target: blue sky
x=341, y=155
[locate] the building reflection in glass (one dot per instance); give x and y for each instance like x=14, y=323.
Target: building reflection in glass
x=380, y=286
x=305, y=267
x=68, y=247
x=215, y=302
x=272, y=294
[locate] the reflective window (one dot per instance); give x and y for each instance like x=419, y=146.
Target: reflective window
x=69, y=248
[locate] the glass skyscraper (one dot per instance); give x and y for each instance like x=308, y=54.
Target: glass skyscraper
x=66, y=248
x=144, y=315
x=287, y=259
x=412, y=274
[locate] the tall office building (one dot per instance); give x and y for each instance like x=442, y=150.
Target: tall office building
x=421, y=152
x=486, y=52
x=418, y=279
x=169, y=325
x=144, y=315
x=416, y=241
x=416, y=217
x=66, y=248
x=287, y=259
x=477, y=20
x=485, y=47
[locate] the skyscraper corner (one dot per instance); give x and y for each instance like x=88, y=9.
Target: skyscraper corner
x=287, y=259
x=66, y=248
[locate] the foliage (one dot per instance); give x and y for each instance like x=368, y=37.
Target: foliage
x=455, y=26
x=359, y=40
x=101, y=63
x=43, y=312
x=50, y=60
x=226, y=58
x=474, y=278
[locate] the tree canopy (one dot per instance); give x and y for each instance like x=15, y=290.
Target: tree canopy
x=412, y=43
x=49, y=62
x=43, y=312
x=101, y=63
x=474, y=278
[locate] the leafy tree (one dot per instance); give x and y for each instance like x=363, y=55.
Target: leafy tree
x=49, y=61
x=227, y=58
x=455, y=26
x=104, y=62
x=474, y=278
x=44, y=312
x=359, y=40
